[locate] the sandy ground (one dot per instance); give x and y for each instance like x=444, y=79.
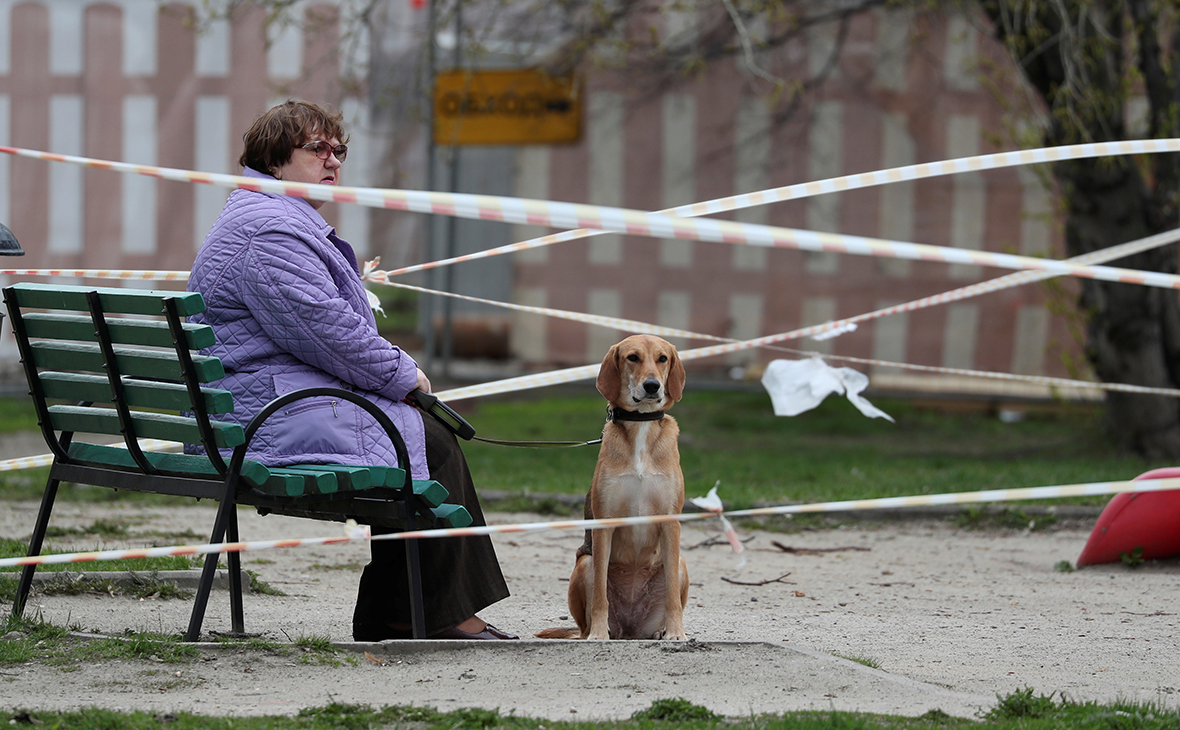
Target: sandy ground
x=952, y=618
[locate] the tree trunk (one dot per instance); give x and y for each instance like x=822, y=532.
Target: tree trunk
x=1075, y=54
x=1133, y=332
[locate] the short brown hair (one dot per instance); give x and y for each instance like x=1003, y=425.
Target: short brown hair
x=271, y=140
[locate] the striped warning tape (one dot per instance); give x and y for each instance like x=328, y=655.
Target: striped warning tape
x=353, y=534
x=570, y=375
x=635, y=327
x=626, y=325
x=32, y=462
x=838, y=184
x=123, y=274
x=633, y=222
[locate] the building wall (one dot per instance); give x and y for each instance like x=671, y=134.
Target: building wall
x=131, y=80
x=891, y=101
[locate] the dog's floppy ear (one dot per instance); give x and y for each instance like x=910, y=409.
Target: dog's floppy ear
x=675, y=377
x=609, y=379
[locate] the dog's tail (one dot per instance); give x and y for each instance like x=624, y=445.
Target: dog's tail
x=572, y=632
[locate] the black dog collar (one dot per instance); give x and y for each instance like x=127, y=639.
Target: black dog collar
x=619, y=414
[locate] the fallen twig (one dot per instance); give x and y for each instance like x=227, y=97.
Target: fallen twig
x=815, y=551
x=715, y=540
x=759, y=583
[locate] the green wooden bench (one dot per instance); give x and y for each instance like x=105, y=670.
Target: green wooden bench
x=130, y=365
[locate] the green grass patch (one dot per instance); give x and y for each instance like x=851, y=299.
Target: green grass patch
x=677, y=710
x=319, y=650
x=29, y=639
x=979, y=517
x=870, y=663
x=17, y=414
x=1020, y=711
x=26, y=635
x=261, y=587
x=136, y=646
x=399, y=313
x=102, y=528
x=253, y=644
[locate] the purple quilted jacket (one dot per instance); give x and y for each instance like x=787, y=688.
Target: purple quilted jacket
x=284, y=298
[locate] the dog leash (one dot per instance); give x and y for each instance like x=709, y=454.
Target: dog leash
x=612, y=414
x=459, y=426
x=539, y=444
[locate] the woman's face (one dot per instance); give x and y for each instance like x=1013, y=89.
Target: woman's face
x=306, y=167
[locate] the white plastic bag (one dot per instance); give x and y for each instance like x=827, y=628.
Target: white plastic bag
x=796, y=386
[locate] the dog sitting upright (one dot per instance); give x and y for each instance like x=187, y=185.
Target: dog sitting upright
x=631, y=582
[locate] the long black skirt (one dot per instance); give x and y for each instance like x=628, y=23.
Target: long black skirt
x=460, y=575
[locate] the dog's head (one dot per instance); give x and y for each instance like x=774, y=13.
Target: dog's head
x=642, y=373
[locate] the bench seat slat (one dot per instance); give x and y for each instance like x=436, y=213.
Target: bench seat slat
x=307, y=481
x=120, y=301
x=253, y=473
x=453, y=515
x=350, y=478
x=138, y=393
x=150, y=333
x=147, y=425
x=62, y=355
x=428, y=491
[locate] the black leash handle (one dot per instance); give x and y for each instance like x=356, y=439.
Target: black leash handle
x=443, y=413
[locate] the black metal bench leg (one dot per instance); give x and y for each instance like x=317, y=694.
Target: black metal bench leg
x=237, y=618
x=35, y=543
x=201, y=602
x=417, y=610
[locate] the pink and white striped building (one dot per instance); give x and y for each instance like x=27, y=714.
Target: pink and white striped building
x=132, y=80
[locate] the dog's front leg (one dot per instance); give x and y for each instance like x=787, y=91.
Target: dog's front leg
x=673, y=605
x=599, y=600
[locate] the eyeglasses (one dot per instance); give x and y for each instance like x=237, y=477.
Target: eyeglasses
x=323, y=150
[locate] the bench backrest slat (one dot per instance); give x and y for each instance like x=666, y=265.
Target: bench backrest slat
x=147, y=425
x=150, y=333
x=56, y=355
x=114, y=301
x=138, y=393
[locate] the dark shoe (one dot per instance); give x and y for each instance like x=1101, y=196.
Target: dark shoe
x=489, y=632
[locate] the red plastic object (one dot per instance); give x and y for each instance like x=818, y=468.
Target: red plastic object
x=1150, y=520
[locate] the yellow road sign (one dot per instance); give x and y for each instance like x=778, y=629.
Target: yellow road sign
x=505, y=107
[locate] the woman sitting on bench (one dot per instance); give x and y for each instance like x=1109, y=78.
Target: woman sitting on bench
x=284, y=296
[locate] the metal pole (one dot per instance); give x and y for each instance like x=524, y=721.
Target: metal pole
x=452, y=222
x=426, y=304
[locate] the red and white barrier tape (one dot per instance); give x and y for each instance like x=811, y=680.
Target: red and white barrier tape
x=355, y=534
x=32, y=462
x=122, y=274
x=634, y=222
x=633, y=326
x=840, y=184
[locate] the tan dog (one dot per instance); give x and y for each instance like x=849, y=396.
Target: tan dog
x=631, y=582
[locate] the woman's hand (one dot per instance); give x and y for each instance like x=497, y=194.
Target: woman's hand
x=423, y=383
